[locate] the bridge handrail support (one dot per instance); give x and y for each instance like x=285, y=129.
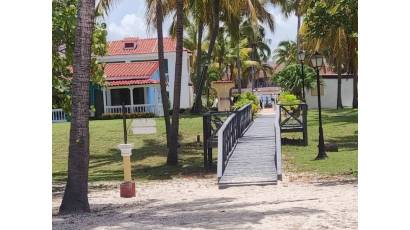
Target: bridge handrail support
x=278, y=146
x=235, y=124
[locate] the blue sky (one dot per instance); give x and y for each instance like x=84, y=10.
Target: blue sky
x=127, y=18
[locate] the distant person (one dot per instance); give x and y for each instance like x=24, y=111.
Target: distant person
x=260, y=103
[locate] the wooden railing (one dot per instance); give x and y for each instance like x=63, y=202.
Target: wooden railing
x=212, y=122
x=293, y=118
x=141, y=108
x=229, y=133
x=278, y=143
x=58, y=115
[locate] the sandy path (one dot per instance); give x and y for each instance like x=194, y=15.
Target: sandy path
x=199, y=204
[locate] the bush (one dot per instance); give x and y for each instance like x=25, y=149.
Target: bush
x=247, y=98
x=110, y=116
x=290, y=78
x=287, y=98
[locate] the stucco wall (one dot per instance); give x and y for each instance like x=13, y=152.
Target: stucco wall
x=329, y=97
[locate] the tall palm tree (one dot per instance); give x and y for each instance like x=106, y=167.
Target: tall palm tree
x=286, y=53
x=75, y=197
x=172, y=158
x=155, y=13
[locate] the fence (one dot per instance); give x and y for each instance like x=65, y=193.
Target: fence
x=58, y=115
x=141, y=108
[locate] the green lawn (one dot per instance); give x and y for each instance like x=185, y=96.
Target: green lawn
x=149, y=155
x=339, y=127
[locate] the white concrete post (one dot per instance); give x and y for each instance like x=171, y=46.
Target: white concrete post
x=109, y=97
x=104, y=98
x=131, y=99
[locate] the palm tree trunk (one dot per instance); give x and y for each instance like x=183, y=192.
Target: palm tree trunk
x=199, y=52
x=162, y=80
x=75, y=197
x=339, y=87
x=238, y=63
x=355, y=103
x=196, y=108
x=173, y=151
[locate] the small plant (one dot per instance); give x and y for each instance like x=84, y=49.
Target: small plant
x=247, y=98
x=287, y=98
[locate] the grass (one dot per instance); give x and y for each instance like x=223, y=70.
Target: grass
x=340, y=127
x=149, y=155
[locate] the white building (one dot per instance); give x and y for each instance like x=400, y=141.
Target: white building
x=132, y=75
x=329, y=91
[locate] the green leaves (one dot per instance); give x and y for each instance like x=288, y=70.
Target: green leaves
x=290, y=78
x=64, y=19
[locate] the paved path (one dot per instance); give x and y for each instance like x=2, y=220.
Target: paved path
x=253, y=159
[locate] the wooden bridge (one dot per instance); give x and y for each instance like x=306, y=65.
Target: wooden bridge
x=249, y=151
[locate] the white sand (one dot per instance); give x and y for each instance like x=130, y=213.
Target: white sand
x=195, y=203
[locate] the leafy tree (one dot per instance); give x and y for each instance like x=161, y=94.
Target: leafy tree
x=64, y=20
x=290, y=78
x=331, y=28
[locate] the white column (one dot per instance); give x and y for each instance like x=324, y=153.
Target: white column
x=109, y=97
x=131, y=99
x=104, y=92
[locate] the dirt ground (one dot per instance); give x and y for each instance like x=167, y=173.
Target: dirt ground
x=197, y=203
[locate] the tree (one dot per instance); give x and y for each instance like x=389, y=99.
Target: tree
x=290, y=79
x=75, y=197
x=63, y=28
x=286, y=53
x=331, y=28
x=172, y=158
x=155, y=13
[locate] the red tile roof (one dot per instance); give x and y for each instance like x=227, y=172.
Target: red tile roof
x=134, y=73
x=144, y=46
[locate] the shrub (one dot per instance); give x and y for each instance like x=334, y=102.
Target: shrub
x=289, y=79
x=287, y=98
x=247, y=98
x=110, y=116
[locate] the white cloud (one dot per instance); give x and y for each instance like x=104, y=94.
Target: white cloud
x=130, y=25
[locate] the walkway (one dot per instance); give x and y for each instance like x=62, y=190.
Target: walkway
x=253, y=159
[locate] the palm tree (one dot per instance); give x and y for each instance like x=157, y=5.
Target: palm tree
x=286, y=53
x=172, y=158
x=155, y=13
x=75, y=197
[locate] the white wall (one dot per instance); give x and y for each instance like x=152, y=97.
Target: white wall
x=186, y=97
x=329, y=96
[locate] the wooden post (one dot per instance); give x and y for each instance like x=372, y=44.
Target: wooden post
x=205, y=138
x=305, y=131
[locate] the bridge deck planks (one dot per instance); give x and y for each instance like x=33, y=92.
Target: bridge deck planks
x=253, y=159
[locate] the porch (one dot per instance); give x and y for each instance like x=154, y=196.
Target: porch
x=136, y=98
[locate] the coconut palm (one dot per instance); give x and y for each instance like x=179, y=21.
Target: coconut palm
x=286, y=53
x=155, y=14
x=75, y=197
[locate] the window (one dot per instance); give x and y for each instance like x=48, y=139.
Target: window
x=129, y=45
x=313, y=91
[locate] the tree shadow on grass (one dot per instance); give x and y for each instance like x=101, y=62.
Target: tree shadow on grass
x=208, y=213
x=347, y=143
x=190, y=163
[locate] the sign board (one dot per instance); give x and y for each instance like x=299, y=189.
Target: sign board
x=144, y=126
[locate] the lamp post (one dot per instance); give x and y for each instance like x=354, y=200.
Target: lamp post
x=301, y=58
x=317, y=63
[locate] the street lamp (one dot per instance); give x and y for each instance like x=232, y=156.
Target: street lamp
x=317, y=63
x=301, y=58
